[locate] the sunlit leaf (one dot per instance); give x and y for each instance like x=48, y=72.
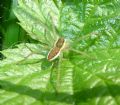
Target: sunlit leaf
x=87, y=72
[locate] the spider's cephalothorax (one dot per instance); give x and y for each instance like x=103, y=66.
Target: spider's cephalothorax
x=55, y=51
x=60, y=42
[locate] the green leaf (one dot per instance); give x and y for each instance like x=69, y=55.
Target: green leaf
x=35, y=12
x=86, y=73
x=97, y=81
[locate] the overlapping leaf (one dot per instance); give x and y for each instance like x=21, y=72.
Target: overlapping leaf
x=79, y=78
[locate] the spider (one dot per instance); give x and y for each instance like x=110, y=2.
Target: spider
x=54, y=52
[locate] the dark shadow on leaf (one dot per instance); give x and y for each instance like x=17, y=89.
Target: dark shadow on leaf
x=45, y=64
x=35, y=93
x=100, y=91
x=80, y=96
x=2, y=56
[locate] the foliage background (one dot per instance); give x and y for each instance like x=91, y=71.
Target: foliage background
x=10, y=32
x=91, y=27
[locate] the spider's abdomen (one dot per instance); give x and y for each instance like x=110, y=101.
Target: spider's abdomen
x=55, y=51
x=53, y=54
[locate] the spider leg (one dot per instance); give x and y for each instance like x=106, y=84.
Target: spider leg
x=55, y=75
x=82, y=53
x=31, y=52
x=52, y=81
x=59, y=71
